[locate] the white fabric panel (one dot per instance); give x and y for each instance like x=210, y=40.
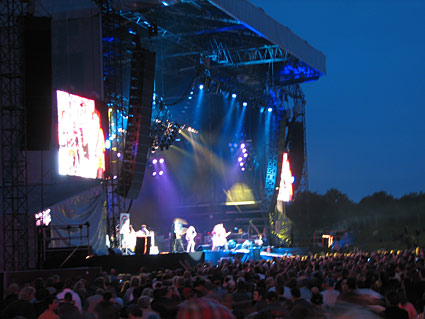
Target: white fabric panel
x=89, y=206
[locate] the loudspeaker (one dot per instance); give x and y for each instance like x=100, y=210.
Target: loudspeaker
x=138, y=140
x=38, y=81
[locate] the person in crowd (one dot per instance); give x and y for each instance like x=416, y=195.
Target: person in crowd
x=51, y=311
x=392, y=310
x=329, y=295
x=23, y=306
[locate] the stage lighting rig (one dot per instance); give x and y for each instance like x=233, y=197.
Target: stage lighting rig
x=164, y=133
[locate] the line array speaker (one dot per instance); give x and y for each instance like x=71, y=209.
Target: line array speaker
x=138, y=140
x=38, y=81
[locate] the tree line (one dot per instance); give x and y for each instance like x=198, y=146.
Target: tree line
x=379, y=218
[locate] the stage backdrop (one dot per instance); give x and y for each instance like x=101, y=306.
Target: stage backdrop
x=89, y=206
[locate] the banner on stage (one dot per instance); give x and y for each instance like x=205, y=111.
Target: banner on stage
x=124, y=223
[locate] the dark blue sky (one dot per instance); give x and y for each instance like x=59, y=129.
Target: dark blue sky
x=366, y=117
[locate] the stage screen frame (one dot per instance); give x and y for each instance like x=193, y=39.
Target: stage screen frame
x=82, y=129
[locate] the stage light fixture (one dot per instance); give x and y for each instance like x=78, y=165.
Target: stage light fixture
x=154, y=161
x=244, y=150
x=108, y=144
x=244, y=103
x=239, y=159
x=201, y=86
x=245, y=155
x=161, y=160
x=161, y=173
x=234, y=95
x=153, y=173
x=241, y=163
x=165, y=3
x=270, y=109
x=243, y=145
x=118, y=155
x=191, y=92
x=190, y=97
x=243, y=169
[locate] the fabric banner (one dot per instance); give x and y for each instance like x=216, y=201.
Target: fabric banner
x=87, y=207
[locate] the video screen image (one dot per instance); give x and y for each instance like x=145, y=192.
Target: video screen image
x=81, y=136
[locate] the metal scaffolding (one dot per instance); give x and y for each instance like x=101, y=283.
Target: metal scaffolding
x=13, y=138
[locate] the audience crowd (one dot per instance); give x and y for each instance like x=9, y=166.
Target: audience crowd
x=349, y=285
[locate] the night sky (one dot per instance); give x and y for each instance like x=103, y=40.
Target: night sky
x=366, y=117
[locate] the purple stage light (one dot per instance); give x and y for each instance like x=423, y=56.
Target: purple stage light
x=153, y=173
x=244, y=150
x=245, y=155
x=154, y=161
x=242, y=169
x=243, y=145
x=241, y=163
x=161, y=160
x=161, y=173
x=239, y=159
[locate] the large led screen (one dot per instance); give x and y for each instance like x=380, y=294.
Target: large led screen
x=81, y=136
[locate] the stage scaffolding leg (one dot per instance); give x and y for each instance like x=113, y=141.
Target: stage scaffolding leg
x=15, y=237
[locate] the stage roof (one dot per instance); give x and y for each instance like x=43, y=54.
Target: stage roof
x=237, y=43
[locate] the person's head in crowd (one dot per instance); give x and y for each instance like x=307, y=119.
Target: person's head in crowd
x=52, y=303
x=330, y=283
x=159, y=292
x=144, y=302
x=105, y=309
x=188, y=293
x=295, y=293
x=259, y=294
x=68, y=311
x=135, y=282
x=392, y=298
x=228, y=301
x=272, y=297
x=134, y=311
x=316, y=297
x=27, y=293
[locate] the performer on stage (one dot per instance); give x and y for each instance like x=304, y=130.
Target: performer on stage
x=219, y=237
x=144, y=231
x=190, y=237
x=178, y=232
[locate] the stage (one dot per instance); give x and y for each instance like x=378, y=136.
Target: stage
x=133, y=263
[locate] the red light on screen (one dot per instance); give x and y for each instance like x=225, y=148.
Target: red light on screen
x=80, y=136
x=286, y=179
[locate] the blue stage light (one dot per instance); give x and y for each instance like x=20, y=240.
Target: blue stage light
x=270, y=109
x=108, y=144
x=244, y=103
x=234, y=95
x=201, y=86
